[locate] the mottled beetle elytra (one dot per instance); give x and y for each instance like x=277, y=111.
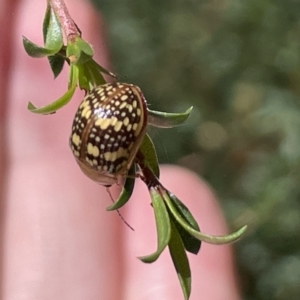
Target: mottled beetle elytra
x=107, y=131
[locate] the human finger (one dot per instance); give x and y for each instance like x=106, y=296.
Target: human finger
x=213, y=274
x=55, y=242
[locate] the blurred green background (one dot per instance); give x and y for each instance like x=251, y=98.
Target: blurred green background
x=238, y=63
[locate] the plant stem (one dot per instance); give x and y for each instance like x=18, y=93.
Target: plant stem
x=68, y=25
x=148, y=177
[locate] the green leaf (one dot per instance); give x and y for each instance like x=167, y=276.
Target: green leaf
x=95, y=75
x=46, y=22
x=105, y=71
x=167, y=120
x=34, y=50
x=84, y=77
x=180, y=261
x=150, y=158
x=56, y=63
x=162, y=225
x=73, y=76
x=211, y=239
x=84, y=46
x=126, y=191
x=73, y=52
x=53, y=40
x=54, y=106
x=191, y=243
x=51, y=31
x=79, y=51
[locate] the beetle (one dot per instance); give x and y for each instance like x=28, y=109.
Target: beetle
x=107, y=131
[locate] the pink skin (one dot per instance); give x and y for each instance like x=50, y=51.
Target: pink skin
x=59, y=242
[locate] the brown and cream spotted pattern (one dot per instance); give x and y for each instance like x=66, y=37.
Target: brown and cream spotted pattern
x=107, y=131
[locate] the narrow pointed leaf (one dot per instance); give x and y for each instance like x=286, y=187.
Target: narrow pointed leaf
x=105, y=71
x=63, y=100
x=163, y=226
x=126, y=191
x=73, y=76
x=180, y=261
x=36, y=51
x=84, y=46
x=73, y=52
x=211, y=239
x=56, y=63
x=51, y=31
x=184, y=211
x=94, y=72
x=54, y=106
x=79, y=51
x=148, y=150
x=46, y=21
x=83, y=58
x=167, y=120
x=191, y=243
x=83, y=77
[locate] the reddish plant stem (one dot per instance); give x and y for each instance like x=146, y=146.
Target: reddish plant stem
x=147, y=175
x=68, y=26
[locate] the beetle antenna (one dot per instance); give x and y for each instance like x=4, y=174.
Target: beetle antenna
x=109, y=193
